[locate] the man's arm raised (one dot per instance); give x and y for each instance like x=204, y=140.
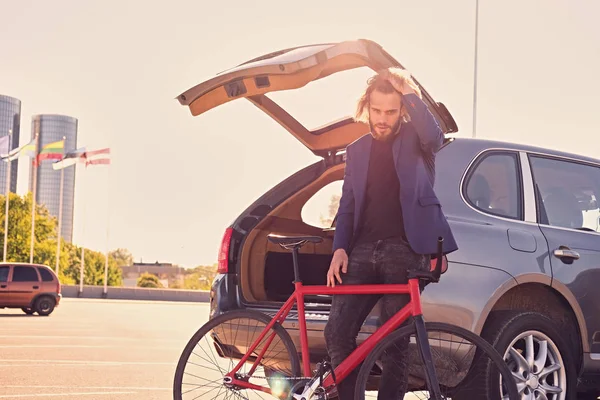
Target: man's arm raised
x=429, y=131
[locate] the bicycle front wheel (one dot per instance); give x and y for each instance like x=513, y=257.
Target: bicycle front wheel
x=466, y=366
x=218, y=346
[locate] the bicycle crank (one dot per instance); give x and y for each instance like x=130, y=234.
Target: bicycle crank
x=312, y=389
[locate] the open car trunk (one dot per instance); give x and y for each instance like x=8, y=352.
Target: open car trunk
x=266, y=269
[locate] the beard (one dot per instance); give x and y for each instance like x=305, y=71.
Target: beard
x=388, y=133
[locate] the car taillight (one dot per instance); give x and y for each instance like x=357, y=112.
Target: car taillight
x=223, y=266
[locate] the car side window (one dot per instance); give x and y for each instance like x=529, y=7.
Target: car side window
x=46, y=275
x=567, y=192
x=4, y=274
x=494, y=185
x=24, y=274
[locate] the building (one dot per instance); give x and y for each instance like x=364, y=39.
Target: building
x=167, y=273
x=52, y=128
x=10, y=119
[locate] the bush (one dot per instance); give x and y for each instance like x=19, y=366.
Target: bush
x=148, y=280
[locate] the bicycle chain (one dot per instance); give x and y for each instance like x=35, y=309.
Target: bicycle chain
x=291, y=378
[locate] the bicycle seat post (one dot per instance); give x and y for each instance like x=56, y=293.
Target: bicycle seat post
x=294, y=243
x=296, y=269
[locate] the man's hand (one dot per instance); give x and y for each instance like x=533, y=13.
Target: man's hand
x=339, y=260
x=401, y=81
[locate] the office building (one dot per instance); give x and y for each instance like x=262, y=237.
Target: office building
x=10, y=119
x=52, y=128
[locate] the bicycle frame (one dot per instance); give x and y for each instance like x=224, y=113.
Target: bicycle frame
x=413, y=308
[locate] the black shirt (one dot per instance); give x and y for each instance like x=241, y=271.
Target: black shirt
x=381, y=217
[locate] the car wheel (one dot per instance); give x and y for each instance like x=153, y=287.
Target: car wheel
x=28, y=311
x=44, y=305
x=540, y=360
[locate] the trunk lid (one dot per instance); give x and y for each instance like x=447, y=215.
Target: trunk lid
x=292, y=69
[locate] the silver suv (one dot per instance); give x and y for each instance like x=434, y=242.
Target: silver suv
x=526, y=220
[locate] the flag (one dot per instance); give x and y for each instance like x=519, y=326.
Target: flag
x=4, y=143
x=96, y=157
x=71, y=158
x=52, y=151
x=27, y=150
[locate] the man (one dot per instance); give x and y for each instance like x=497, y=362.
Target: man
x=389, y=217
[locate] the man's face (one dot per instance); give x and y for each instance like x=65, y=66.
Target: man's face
x=384, y=114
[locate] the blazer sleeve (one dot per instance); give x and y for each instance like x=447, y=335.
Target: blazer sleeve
x=345, y=215
x=428, y=130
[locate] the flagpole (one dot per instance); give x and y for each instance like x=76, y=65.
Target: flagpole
x=107, y=231
x=60, y=209
x=7, y=197
x=33, y=198
x=82, y=264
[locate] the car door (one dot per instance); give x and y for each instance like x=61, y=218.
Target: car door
x=4, y=295
x=568, y=194
x=24, y=285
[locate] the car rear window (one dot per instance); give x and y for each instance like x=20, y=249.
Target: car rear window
x=24, y=274
x=46, y=275
x=4, y=274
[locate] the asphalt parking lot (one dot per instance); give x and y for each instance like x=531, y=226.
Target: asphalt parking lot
x=95, y=349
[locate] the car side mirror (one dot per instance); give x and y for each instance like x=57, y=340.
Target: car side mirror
x=451, y=126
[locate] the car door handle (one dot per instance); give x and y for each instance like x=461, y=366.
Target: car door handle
x=36, y=287
x=566, y=253
x=3, y=286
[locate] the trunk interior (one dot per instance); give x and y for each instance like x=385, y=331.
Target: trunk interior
x=266, y=269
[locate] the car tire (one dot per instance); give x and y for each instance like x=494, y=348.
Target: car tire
x=44, y=305
x=28, y=311
x=531, y=334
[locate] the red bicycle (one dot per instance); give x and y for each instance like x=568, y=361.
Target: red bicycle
x=248, y=354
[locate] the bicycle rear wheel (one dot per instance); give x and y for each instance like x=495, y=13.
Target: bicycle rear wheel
x=216, y=348
x=467, y=367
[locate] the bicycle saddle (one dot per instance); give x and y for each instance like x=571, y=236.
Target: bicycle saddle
x=293, y=241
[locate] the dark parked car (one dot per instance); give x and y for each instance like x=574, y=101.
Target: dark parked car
x=526, y=220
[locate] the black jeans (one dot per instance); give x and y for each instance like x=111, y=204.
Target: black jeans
x=384, y=261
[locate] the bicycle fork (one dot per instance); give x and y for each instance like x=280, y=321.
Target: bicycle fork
x=425, y=350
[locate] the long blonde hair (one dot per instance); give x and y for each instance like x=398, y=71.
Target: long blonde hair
x=382, y=81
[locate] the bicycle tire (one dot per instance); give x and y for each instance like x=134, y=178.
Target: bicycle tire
x=208, y=327
x=495, y=358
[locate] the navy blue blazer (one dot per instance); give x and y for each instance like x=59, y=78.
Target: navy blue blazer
x=414, y=156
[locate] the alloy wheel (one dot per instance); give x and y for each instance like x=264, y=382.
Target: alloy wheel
x=537, y=366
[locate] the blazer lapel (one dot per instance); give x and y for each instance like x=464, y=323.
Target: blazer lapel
x=396, y=148
x=360, y=174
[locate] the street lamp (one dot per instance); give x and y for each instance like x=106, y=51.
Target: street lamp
x=475, y=69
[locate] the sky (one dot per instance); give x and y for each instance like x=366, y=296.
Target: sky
x=176, y=181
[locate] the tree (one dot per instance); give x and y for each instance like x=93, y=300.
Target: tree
x=149, y=280
x=122, y=257
x=19, y=230
x=46, y=229
x=200, y=278
x=334, y=204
